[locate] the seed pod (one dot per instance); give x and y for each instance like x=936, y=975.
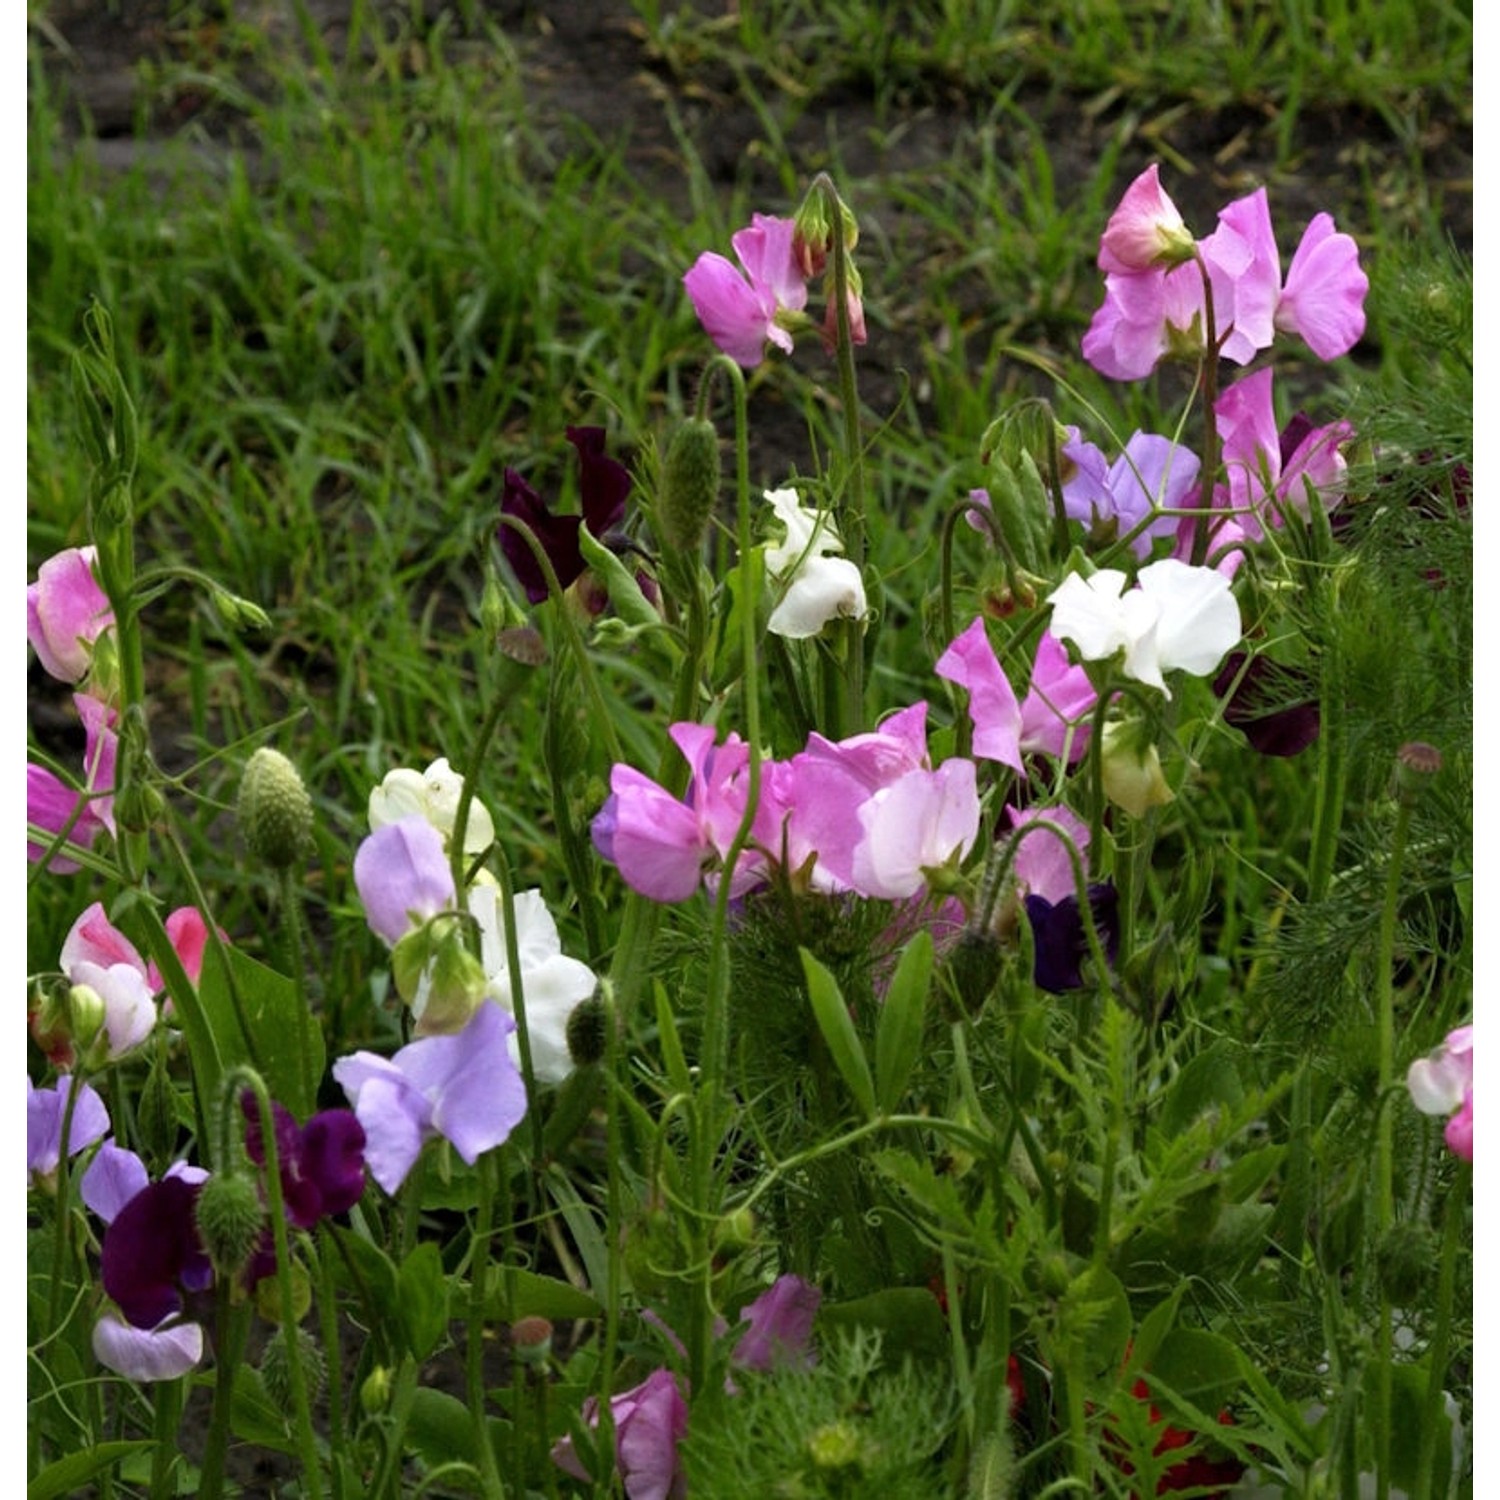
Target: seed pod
x=275, y=811
x=690, y=484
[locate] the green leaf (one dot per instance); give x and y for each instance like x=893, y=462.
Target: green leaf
x=837, y=1026
x=898, y=1034
x=275, y=1020
x=671, y=1044
x=439, y=1429
x=1210, y=1081
x=527, y=1294
x=422, y=1292
x=254, y=1417
x=1201, y=1367
x=73, y=1472
x=908, y=1317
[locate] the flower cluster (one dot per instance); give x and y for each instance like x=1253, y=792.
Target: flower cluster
x=1442, y=1083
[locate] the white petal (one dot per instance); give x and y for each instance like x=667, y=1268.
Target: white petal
x=824, y=589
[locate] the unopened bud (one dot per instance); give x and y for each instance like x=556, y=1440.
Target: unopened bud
x=275, y=1366
x=451, y=990
x=1416, y=762
x=230, y=1219
x=156, y=1120
x=268, y=1295
x=138, y=807
x=1130, y=769
x=586, y=1031
x=835, y=1445
x=690, y=484
x=531, y=1340
x=275, y=811
x=238, y=613
x=84, y=1010
x=375, y=1392
x=974, y=966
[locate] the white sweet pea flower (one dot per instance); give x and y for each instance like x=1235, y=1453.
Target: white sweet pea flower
x=552, y=983
x=817, y=587
x=1178, y=617
x=431, y=794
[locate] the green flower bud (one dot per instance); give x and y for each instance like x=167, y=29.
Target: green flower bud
x=452, y=988
x=275, y=811
x=1416, y=763
x=230, y=1219
x=585, y=1032
x=375, y=1393
x=836, y=1445
x=690, y=484
x=84, y=1012
x=138, y=807
x=268, y=1295
x=1131, y=769
x=275, y=1366
x=974, y=966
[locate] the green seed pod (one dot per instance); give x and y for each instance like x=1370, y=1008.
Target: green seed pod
x=275, y=1367
x=690, y=484
x=585, y=1031
x=275, y=811
x=230, y=1219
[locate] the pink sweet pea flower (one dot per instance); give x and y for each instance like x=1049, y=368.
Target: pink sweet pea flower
x=649, y=1420
x=920, y=822
x=1442, y=1083
x=1145, y=232
x=97, y=956
x=465, y=1088
x=1042, y=866
x=66, y=612
x=740, y=315
x=1244, y=270
x=970, y=661
x=662, y=844
x=1056, y=709
x=1261, y=486
x=403, y=877
x=52, y=805
x=1323, y=300
x=780, y=1323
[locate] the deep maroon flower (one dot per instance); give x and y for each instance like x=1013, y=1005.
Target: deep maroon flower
x=322, y=1163
x=603, y=486
x=152, y=1256
x=1271, y=706
x=1058, y=937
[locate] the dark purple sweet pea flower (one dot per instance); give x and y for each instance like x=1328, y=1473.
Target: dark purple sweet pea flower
x=1271, y=705
x=322, y=1163
x=603, y=486
x=1058, y=937
x=151, y=1256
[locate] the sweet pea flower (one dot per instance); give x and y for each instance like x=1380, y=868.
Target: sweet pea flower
x=1042, y=865
x=650, y=1420
x=604, y=486
x=1050, y=720
x=464, y=1088
x=53, y=806
x=1146, y=231
x=98, y=957
x=1323, y=299
x=45, y=1109
x=779, y=1327
x=321, y=1164
x=402, y=874
x=1275, y=707
x=1268, y=471
x=1152, y=474
x=1177, y=617
x=151, y=1257
x=173, y=1346
x=552, y=983
x=432, y=794
x=816, y=587
x=922, y=821
x=742, y=313
x=1442, y=1083
x=662, y=844
x=66, y=612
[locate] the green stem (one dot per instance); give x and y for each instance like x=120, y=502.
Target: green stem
x=165, y=1452
x=474, y=1327
x=1455, y=1219
x=230, y=1324
x=328, y=1327
x=291, y=916
x=62, y=1239
x=1208, y=381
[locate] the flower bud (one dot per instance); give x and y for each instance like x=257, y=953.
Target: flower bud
x=275, y=1366
x=531, y=1340
x=451, y=990
x=835, y=1445
x=974, y=965
x=138, y=806
x=375, y=1392
x=268, y=1295
x=230, y=1218
x=690, y=484
x=84, y=1013
x=275, y=811
x=1131, y=769
x=156, y=1119
x=585, y=1031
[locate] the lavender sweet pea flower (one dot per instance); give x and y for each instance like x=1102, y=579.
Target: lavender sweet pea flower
x=780, y=1322
x=1056, y=709
x=465, y=1088
x=165, y=1352
x=403, y=877
x=650, y=1420
x=66, y=612
x=44, y=1125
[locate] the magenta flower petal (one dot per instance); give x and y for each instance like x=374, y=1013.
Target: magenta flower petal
x=653, y=838
x=66, y=612
x=1245, y=273
x=1055, y=712
x=765, y=251
x=1042, y=866
x=1324, y=297
x=735, y=315
x=781, y=1323
x=970, y=661
x=1145, y=230
x=402, y=874
x=650, y=1420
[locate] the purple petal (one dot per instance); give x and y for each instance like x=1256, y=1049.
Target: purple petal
x=402, y=874
x=113, y=1178
x=147, y=1354
x=781, y=1322
x=151, y=1251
